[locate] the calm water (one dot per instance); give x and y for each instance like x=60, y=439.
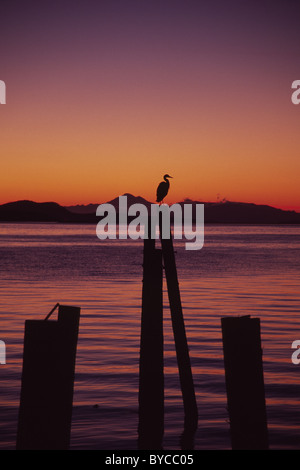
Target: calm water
x=240, y=270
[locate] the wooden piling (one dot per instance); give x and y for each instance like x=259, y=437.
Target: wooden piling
x=46, y=398
x=181, y=344
x=245, y=383
x=151, y=376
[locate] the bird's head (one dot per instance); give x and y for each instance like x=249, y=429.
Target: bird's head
x=167, y=176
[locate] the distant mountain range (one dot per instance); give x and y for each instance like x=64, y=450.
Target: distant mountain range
x=91, y=208
x=223, y=212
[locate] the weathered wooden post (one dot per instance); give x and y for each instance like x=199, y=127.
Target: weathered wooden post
x=181, y=344
x=151, y=375
x=245, y=383
x=46, y=399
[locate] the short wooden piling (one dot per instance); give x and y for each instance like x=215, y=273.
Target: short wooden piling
x=181, y=344
x=245, y=383
x=151, y=377
x=46, y=398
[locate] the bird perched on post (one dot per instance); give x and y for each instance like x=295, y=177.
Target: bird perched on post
x=162, y=189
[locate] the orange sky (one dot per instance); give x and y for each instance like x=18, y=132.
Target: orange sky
x=92, y=116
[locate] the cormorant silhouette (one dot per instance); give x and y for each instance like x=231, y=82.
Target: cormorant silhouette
x=162, y=189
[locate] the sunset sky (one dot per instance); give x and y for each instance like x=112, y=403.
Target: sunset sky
x=104, y=97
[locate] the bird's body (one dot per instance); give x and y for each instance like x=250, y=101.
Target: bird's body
x=162, y=189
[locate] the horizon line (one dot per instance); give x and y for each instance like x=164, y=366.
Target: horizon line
x=291, y=208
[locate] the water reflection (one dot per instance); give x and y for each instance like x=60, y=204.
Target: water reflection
x=229, y=276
